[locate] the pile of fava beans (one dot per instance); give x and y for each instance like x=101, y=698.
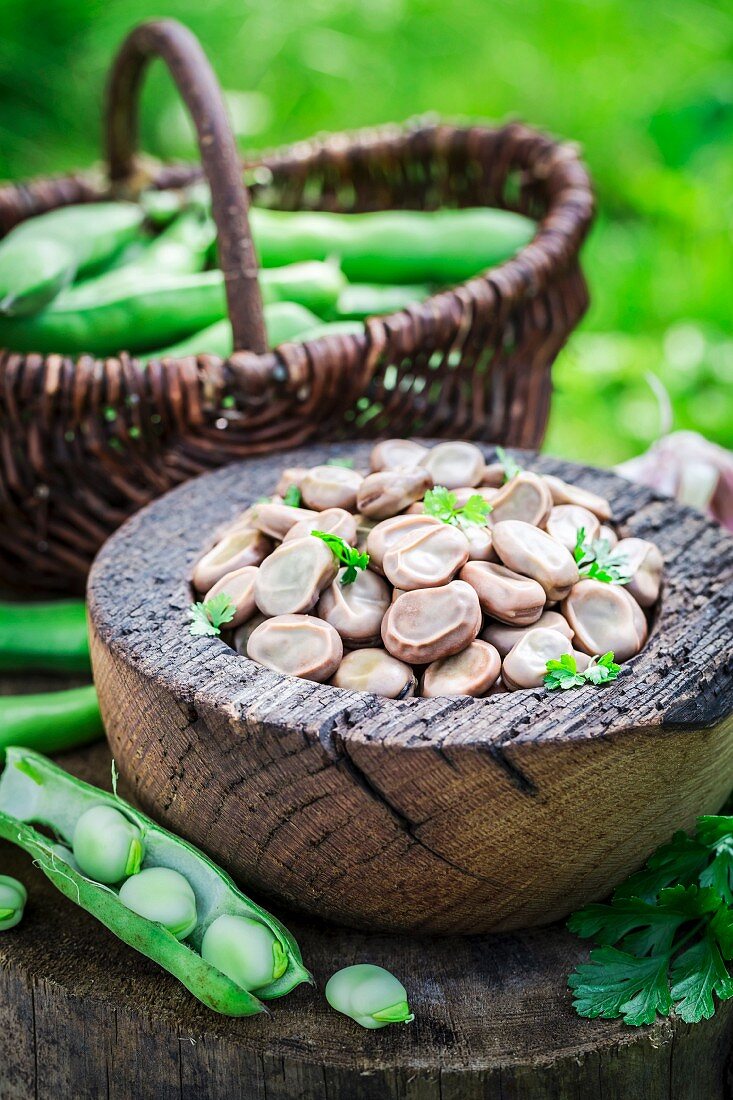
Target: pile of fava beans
x=433, y=574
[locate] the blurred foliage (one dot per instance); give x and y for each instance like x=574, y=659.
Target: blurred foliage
x=645, y=87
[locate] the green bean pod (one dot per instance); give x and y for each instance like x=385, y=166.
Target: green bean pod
x=393, y=246
x=34, y=791
x=43, y=255
x=157, y=310
x=50, y=721
x=48, y=637
x=360, y=300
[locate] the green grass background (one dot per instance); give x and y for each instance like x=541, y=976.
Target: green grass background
x=645, y=86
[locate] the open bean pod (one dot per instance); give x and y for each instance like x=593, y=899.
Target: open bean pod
x=34, y=791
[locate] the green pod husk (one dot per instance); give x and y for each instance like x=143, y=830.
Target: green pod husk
x=357, y=301
x=50, y=721
x=33, y=790
x=49, y=637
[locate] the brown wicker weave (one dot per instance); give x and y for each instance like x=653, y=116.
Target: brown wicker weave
x=83, y=443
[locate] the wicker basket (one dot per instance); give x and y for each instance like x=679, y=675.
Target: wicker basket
x=84, y=443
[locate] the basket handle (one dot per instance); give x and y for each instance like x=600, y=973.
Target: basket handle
x=199, y=88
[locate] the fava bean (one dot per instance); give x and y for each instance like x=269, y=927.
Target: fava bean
x=384, y=494
x=375, y=670
x=13, y=896
x=646, y=566
x=393, y=454
x=565, y=522
x=563, y=493
x=532, y=552
x=471, y=672
x=245, y=950
x=297, y=645
x=453, y=465
x=331, y=487
x=355, y=610
x=291, y=579
x=242, y=546
x=525, y=666
x=240, y=588
x=370, y=995
x=430, y=623
x=605, y=617
x=505, y=637
x=389, y=532
x=107, y=846
x=525, y=497
x=426, y=558
x=162, y=895
x=276, y=519
x=504, y=594
x=334, y=521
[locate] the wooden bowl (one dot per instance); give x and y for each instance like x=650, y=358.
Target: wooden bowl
x=448, y=815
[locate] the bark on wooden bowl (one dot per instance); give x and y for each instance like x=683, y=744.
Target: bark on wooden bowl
x=441, y=815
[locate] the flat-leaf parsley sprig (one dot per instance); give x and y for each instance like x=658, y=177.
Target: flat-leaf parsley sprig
x=209, y=616
x=352, y=558
x=600, y=561
x=564, y=674
x=666, y=938
x=293, y=496
x=443, y=505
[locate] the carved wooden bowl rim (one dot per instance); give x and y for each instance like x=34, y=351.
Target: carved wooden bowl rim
x=139, y=592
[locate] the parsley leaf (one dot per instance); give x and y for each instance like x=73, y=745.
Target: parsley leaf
x=600, y=561
x=293, y=496
x=615, y=983
x=347, y=462
x=511, y=468
x=208, y=617
x=681, y=860
x=350, y=557
x=564, y=674
x=443, y=505
x=697, y=974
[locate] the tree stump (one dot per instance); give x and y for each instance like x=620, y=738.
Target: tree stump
x=83, y=1016
x=451, y=815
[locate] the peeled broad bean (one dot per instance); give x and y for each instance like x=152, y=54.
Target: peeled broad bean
x=505, y=637
x=244, y=546
x=245, y=950
x=528, y=550
x=390, y=532
x=106, y=845
x=297, y=645
x=335, y=521
x=426, y=558
x=291, y=580
x=455, y=464
x=388, y=492
x=13, y=896
x=526, y=498
x=375, y=670
x=504, y=594
x=370, y=995
x=392, y=454
x=471, y=672
x=565, y=522
x=646, y=566
x=162, y=895
x=276, y=519
x=430, y=623
x=291, y=475
x=330, y=487
x=355, y=610
x=240, y=587
x=605, y=617
x=525, y=666
x=564, y=493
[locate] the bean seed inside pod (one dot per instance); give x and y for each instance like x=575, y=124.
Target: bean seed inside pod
x=534, y=553
x=276, y=519
x=297, y=645
x=504, y=594
x=605, y=617
x=376, y=671
x=389, y=532
x=247, y=546
x=291, y=580
x=356, y=610
x=240, y=587
x=389, y=492
x=427, y=558
x=505, y=637
x=526, y=497
x=565, y=523
x=163, y=895
x=430, y=623
x=471, y=672
x=336, y=521
x=564, y=493
x=646, y=566
x=455, y=464
x=525, y=666
x=330, y=487
x=392, y=454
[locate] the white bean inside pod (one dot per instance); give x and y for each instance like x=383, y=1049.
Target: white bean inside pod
x=473, y=671
x=245, y=950
x=246, y=546
x=240, y=587
x=163, y=895
x=430, y=623
x=526, y=497
x=505, y=637
x=390, y=532
x=356, y=610
x=564, y=493
x=455, y=464
x=525, y=666
x=331, y=487
x=566, y=521
x=646, y=566
x=532, y=552
x=297, y=645
x=389, y=492
x=393, y=454
x=504, y=594
x=291, y=580
x=275, y=518
x=374, y=670
x=336, y=521
x=605, y=617
x=426, y=558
